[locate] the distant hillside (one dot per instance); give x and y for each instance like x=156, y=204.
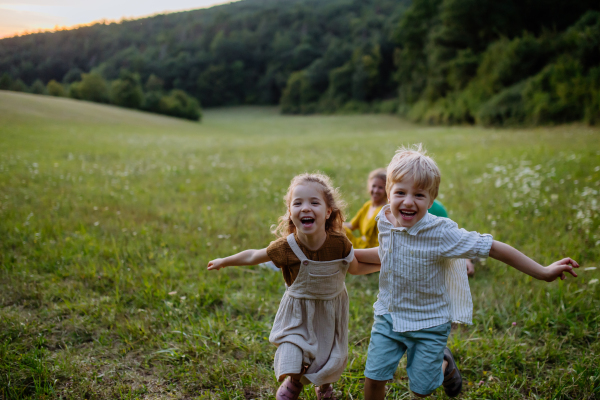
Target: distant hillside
x=237, y=53
x=439, y=61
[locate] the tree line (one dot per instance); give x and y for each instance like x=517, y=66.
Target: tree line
x=126, y=91
x=437, y=61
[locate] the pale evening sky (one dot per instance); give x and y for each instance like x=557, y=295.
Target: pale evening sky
x=18, y=16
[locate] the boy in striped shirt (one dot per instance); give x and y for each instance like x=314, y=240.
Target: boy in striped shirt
x=422, y=290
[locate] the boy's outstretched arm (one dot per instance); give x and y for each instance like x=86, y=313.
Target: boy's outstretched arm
x=368, y=256
x=246, y=257
x=360, y=268
x=513, y=257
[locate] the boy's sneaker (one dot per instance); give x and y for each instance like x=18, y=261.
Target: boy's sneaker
x=452, y=380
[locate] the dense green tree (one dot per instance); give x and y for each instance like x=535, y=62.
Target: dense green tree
x=179, y=104
x=291, y=99
x=238, y=53
x=151, y=102
x=38, y=87
x=55, y=89
x=74, y=91
x=154, y=84
x=5, y=81
x=440, y=61
x=18, y=86
x=127, y=90
x=93, y=87
x=73, y=75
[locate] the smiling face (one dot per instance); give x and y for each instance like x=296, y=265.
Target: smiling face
x=408, y=203
x=308, y=209
x=377, y=191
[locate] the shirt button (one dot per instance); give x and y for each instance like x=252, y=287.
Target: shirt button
x=345, y=262
x=305, y=262
x=390, y=308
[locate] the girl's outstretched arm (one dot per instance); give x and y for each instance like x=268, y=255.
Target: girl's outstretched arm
x=246, y=257
x=360, y=268
x=513, y=257
x=369, y=256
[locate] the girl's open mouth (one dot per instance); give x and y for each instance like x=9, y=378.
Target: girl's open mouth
x=307, y=221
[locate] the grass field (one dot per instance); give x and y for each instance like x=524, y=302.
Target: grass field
x=108, y=218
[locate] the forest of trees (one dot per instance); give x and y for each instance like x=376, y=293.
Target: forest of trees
x=438, y=61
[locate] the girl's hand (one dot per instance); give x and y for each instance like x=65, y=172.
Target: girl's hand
x=558, y=269
x=216, y=264
x=246, y=257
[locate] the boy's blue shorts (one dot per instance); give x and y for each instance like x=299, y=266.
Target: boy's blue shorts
x=424, y=351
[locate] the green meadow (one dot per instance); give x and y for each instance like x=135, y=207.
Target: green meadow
x=108, y=218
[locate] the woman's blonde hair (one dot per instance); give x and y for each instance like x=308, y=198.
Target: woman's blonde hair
x=379, y=173
x=413, y=161
x=331, y=195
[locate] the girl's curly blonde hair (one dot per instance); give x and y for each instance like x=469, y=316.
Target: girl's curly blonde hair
x=331, y=195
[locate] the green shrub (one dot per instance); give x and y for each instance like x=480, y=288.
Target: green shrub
x=55, y=89
x=93, y=88
x=18, y=86
x=38, y=87
x=299, y=96
x=505, y=108
x=291, y=98
x=127, y=91
x=388, y=106
x=152, y=102
x=341, y=82
x=74, y=75
x=74, y=90
x=558, y=93
x=179, y=104
x=355, y=107
x=592, y=108
x=5, y=81
x=154, y=84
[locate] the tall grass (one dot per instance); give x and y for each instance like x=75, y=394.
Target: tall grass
x=109, y=216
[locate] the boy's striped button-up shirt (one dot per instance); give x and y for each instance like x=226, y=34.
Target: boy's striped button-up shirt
x=423, y=280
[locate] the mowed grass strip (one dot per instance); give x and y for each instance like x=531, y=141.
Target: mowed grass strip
x=108, y=218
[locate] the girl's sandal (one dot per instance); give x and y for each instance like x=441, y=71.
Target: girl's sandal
x=327, y=394
x=289, y=389
x=452, y=379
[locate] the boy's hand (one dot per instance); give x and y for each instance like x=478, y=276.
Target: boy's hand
x=215, y=264
x=558, y=269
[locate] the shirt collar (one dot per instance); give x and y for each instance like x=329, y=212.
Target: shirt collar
x=413, y=230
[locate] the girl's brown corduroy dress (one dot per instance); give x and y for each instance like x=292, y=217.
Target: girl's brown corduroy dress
x=311, y=325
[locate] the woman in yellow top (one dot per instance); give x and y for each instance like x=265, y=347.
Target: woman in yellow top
x=364, y=220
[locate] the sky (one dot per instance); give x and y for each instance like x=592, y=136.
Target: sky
x=20, y=16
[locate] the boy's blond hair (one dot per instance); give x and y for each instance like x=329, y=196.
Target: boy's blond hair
x=414, y=162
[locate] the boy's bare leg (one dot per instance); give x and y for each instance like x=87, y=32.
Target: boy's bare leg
x=374, y=390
